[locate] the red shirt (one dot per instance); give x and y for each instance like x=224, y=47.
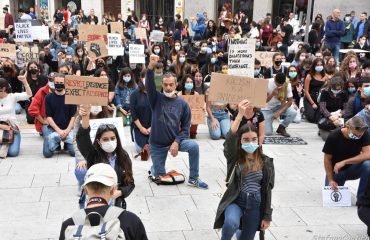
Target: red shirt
x=65, y=13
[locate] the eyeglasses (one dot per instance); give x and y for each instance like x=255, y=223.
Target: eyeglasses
x=104, y=127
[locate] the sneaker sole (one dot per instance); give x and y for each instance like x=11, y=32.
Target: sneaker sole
x=195, y=186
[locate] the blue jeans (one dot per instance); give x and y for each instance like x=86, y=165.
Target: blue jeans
x=247, y=207
x=334, y=48
x=131, y=32
x=223, y=121
x=13, y=150
x=80, y=174
x=289, y=114
x=18, y=108
x=52, y=142
x=355, y=171
x=159, y=156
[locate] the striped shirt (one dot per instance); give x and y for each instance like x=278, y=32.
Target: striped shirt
x=251, y=182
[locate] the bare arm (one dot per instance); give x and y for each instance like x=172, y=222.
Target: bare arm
x=307, y=89
x=328, y=166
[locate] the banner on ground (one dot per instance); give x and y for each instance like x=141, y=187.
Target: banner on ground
x=197, y=105
x=156, y=36
x=115, y=47
x=29, y=54
x=117, y=121
x=233, y=89
x=86, y=90
x=136, y=52
x=116, y=27
x=265, y=58
x=8, y=50
x=23, y=32
x=340, y=198
x=89, y=33
x=241, y=56
x=97, y=49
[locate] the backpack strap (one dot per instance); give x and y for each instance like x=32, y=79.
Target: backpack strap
x=112, y=213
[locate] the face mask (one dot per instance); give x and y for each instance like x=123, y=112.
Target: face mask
x=213, y=60
x=279, y=45
x=198, y=81
x=177, y=48
x=225, y=71
x=278, y=63
x=352, y=136
x=75, y=41
x=126, y=79
x=7, y=68
x=293, y=74
x=160, y=22
x=197, y=44
x=64, y=45
x=109, y=62
x=80, y=54
x=169, y=94
x=258, y=44
x=189, y=86
x=250, y=147
x=34, y=71
x=157, y=51
x=257, y=71
x=59, y=87
x=362, y=42
x=63, y=61
x=335, y=91
x=302, y=58
x=351, y=90
x=204, y=49
x=319, y=68
x=367, y=91
x=347, y=19
x=109, y=146
x=182, y=60
x=51, y=85
x=352, y=65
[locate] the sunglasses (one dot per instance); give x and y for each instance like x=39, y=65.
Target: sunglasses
x=104, y=127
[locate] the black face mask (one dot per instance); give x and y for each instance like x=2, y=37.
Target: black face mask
x=59, y=87
x=278, y=63
x=101, y=65
x=7, y=68
x=34, y=71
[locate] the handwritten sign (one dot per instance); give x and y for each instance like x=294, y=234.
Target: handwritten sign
x=233, y=89
x=156, y=36
x=117, y=121
x=114, y=45
x=29, y=54
x=88, y=33
x=136, y=52
x=8, y=50
x=140, y=33
x=265, y=58
x=97, y=49
x=340, y=198
x=23, y=32
x=40, y=33
x=116, y=27
x=196, y=104
x=86, y=90
x=241, y=57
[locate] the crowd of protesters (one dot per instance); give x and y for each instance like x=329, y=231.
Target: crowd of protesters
x=325, y=81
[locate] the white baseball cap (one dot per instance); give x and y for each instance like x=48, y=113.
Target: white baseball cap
x=102, y=173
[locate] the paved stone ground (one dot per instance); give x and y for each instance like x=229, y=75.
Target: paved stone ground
x=37, y=194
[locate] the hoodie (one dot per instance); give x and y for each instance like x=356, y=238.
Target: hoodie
x=200, y=27
x=37, y=106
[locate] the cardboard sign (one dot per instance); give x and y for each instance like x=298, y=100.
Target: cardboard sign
x=23, y=32
x=196, y=104
x=340, y=198
x=97, y=49
x=40, y=32
x=233, y=89
x=241, y=57
x=86, y=90
x=29, y=54
x=140, y=33
x=114, y=45
x=118, y=122
x=265, y=58
x=156, y=36
x=116, y=27
x=136, y=52
x=8, y=50
x=89, y=33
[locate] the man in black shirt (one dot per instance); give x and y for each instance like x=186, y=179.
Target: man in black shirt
x=287, y=34
x=347, y=154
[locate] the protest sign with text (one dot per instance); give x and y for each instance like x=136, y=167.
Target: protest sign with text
x=116, y=27
x=340, y=198
x=196, y=104
x=136, y=53
x=233, y=89
x=115, y=47
x=156, y=36
x=29, y=54
x=140, y=33
x=86, y=90
x=241, y=57
x=97, y=49
x=23, y=32
x=8, y=50
x=265, y=58
x=87, y=32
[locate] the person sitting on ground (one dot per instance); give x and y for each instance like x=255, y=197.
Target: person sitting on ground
x=171, y=121
x=279, y=102
x=356, y=103
x=101, y=185
x=276, y=68
x=346, y=155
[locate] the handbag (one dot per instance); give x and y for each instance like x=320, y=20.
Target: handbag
x=7, y=136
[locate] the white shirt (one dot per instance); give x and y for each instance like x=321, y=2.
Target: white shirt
x=26, y=17
x=274, y=102
x=294, y=23
x=7, y=105
x=254, y=33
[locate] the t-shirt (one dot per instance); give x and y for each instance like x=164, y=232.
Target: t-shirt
x=7, y=105
x=274, y=102
x=131, y=224
x=255, y=120
x=342, y=148
x=60, y=112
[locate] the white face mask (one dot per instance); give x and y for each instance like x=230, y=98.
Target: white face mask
x=51, y=85
x=177, y=48
x=169, y=95
x=80, y=54
x=109, y=146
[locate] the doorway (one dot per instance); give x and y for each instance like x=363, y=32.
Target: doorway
x=156, y=8
x=113, y=7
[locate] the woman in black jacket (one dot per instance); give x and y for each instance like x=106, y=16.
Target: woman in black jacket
x=250, y=179
x=107, y=149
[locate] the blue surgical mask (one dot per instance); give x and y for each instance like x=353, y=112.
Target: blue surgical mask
x=319, y=68
x=127, y=79
x=293, y=74
x=352, y=136
x=367, y=91
x=250, y=147
x=335, y=91
x=182, y=60
x=213, y=60
x=257, y=71
x=258, y=44
x=189, y=86
x=352, y=90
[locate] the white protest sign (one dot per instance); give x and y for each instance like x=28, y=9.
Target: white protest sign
x=241, y=57
x=156, y=36
x=23, y=32
x=340, y=198
x=117, y=122
x=40, y=32
x=114, y=44
x=136, y=52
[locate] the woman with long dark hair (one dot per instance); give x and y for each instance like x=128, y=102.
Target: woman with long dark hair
x=106, y=148
x=250, y=179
